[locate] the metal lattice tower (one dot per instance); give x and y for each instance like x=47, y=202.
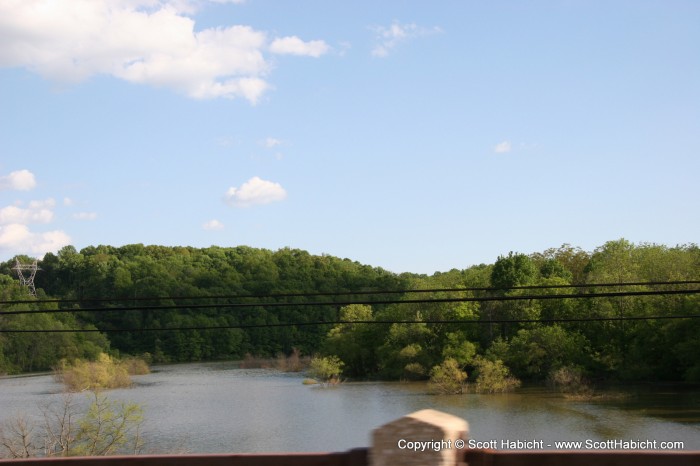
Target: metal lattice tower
x=29, y=280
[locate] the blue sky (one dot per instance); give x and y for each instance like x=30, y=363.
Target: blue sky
x=413, y=136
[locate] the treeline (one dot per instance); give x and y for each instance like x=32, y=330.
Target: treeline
x=535, y=340
x=541, y=336
x=124, y=277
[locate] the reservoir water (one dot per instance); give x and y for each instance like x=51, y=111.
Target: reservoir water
x=219, y=408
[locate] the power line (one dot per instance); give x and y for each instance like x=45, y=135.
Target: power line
x=610, y=294
x=350, y=293
x=367, y=322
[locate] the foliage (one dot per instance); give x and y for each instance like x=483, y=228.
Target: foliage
x=512, y=270
x=459, y=349
x=528, y=335
x=448, y=377
x=105, y=428
x=132, y=272
x=104, y=373
x=353, y=342
x=135, y=366
x=22, y=351
x=293, y=362
x=534, y=353
x=109, y=427
x=326, y=369
x=569, y=379
x=492, y=376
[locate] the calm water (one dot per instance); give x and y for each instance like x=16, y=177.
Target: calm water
x=216, y=408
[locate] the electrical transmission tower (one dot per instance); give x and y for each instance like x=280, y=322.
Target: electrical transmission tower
x=29, y=280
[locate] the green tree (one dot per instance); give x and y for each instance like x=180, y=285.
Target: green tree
x=534, y=353
x=353, y=343
x=326, y=369
x=510, y=271
x=448, y=377
x=459, y=349
x=513, y=270
x=492, y=376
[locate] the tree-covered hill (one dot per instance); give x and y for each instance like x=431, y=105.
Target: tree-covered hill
x=132, y=293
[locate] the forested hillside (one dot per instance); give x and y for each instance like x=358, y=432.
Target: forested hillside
x=190, y=304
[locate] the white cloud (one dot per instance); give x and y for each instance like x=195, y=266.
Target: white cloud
x=213, y=225
x=67, y=201
x=18, y=239
x=255, y=191
x=14, y=214
x=21, y=180
x=388, y=38
x=502, y=147
x=237, y=2
x=150, y=42
x=15, y=235
x=293, y=45
x=85, y=215
x=271, y=143
x=49, y=203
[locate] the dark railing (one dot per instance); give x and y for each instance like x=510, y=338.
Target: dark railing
x=350, y=458
x=360, y=457
x=580, y=458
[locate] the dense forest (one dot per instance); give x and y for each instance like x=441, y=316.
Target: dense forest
x=563, y=307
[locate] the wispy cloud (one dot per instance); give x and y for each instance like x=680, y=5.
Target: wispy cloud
x=150, y=42
x=388, y=38
x=502, y=147
x=213, y=225
x=255, y=191
x=85, y=215
x=15, y=235
x=271, y=143
x=295, y=46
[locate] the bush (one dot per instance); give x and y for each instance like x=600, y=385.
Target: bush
x=254, y=362
x=292, y=363
x=326, y=369
x=106, y=428
x=448, y=377
x=105, y=373
x=414, y=371
x=135, y=366
x=494, y=377
x=569, y=379
x=109, y=427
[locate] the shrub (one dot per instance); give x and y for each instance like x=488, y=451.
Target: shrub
x=104, y=373
x=448, y=377
x=106, y=428
x=109, y=427
x=326, y=369
x=254, y=362
x=494, y=377
x=135, y=366
x=568, y=379
x=414, y=371
x=292, y=363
